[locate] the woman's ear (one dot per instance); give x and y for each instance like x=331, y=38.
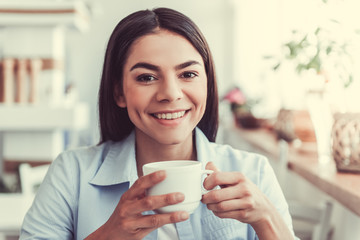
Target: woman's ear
x=119, y=97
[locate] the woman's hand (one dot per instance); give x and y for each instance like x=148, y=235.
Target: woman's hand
x=241, y=199
x=238, y=197
x=127, y=221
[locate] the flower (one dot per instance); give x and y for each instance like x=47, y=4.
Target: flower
x=241, y=108
x=235, y=96
x=238, y=101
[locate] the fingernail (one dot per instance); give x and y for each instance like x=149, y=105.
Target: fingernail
x=184, y=216
x=179, y=197
x=161, y=173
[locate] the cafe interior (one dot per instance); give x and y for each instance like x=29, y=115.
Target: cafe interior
x=288, y=81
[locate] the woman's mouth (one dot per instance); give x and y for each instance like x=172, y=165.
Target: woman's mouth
x=169, y=116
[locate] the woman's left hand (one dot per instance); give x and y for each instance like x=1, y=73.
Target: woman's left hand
x=238, y=197
x=241, y=199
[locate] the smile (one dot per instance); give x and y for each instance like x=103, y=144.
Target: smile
x=169, y=116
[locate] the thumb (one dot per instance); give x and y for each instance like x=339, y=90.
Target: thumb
x=211, y=166
x=208, y=183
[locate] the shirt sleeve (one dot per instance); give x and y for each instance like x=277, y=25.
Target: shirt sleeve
x=51, y=215
x=270, y=186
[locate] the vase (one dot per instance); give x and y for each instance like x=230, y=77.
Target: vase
x=322, y=119
x=346, y=141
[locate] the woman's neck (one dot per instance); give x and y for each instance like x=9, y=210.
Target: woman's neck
x=148, y=150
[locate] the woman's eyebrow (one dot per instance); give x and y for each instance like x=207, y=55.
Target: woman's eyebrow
x=187, y=64
x=156, y=68
x=145, y=65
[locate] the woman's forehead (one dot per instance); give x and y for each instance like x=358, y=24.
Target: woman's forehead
x=163, y=46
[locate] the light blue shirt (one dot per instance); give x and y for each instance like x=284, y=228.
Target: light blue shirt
x=83, y=187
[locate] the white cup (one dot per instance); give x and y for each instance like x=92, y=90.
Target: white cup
x=185, y=176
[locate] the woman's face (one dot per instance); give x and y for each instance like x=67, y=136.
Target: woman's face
x=164, y=87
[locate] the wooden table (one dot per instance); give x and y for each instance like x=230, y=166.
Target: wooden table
x=344, y=187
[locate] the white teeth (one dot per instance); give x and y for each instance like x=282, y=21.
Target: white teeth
x=170, y=116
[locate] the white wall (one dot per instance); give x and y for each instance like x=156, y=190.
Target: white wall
x=85, y=52
x=263, y=27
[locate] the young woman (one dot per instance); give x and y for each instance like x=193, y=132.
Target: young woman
x=157, y=101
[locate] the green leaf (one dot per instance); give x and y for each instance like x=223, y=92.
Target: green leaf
x=292, y=49
x=334, y=21
x=268, y=57
x=295, y=48
x=304, y=41
x=301, y=67
x=315, y=63
x=328, y=50
x=276, y=67
x=349, y=81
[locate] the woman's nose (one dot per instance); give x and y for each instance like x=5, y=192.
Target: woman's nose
x=169, y=90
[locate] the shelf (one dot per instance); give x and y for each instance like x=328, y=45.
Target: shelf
x=44, y=13
x=43, y=117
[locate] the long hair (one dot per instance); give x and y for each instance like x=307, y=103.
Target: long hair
x=114, y=121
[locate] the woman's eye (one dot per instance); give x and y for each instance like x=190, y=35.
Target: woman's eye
x=189, y=75
x=145, y=78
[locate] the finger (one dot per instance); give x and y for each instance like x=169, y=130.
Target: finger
x=230, y=205
x=144, y=224
x=242, y=215
x=211, y=166
x=158, y=220
x=223, y=194
x=153, y=202
x=223, y=179
x=140, y=186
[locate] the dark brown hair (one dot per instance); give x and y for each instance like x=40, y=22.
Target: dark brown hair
x=115, y=124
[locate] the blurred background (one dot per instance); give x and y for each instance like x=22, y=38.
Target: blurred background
x=289, y=67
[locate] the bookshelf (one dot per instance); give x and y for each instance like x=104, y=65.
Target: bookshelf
x=36, y=111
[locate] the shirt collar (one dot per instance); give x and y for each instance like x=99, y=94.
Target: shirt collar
x=204, y=151
x=119, y=164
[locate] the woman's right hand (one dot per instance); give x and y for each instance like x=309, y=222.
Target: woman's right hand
x=127, y=221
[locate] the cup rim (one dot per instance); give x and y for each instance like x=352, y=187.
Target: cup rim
x=173, y=164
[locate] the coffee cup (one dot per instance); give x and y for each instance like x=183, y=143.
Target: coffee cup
x=185, y=176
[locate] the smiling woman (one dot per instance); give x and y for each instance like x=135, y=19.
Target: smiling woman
x=160, y=80
x=179, y=27
x=157, y=102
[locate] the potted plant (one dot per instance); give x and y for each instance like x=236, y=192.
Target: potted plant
x=323, y=55
x=318, y=52
x=241, y=107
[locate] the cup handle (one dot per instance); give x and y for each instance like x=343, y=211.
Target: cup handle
x=207, y=172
